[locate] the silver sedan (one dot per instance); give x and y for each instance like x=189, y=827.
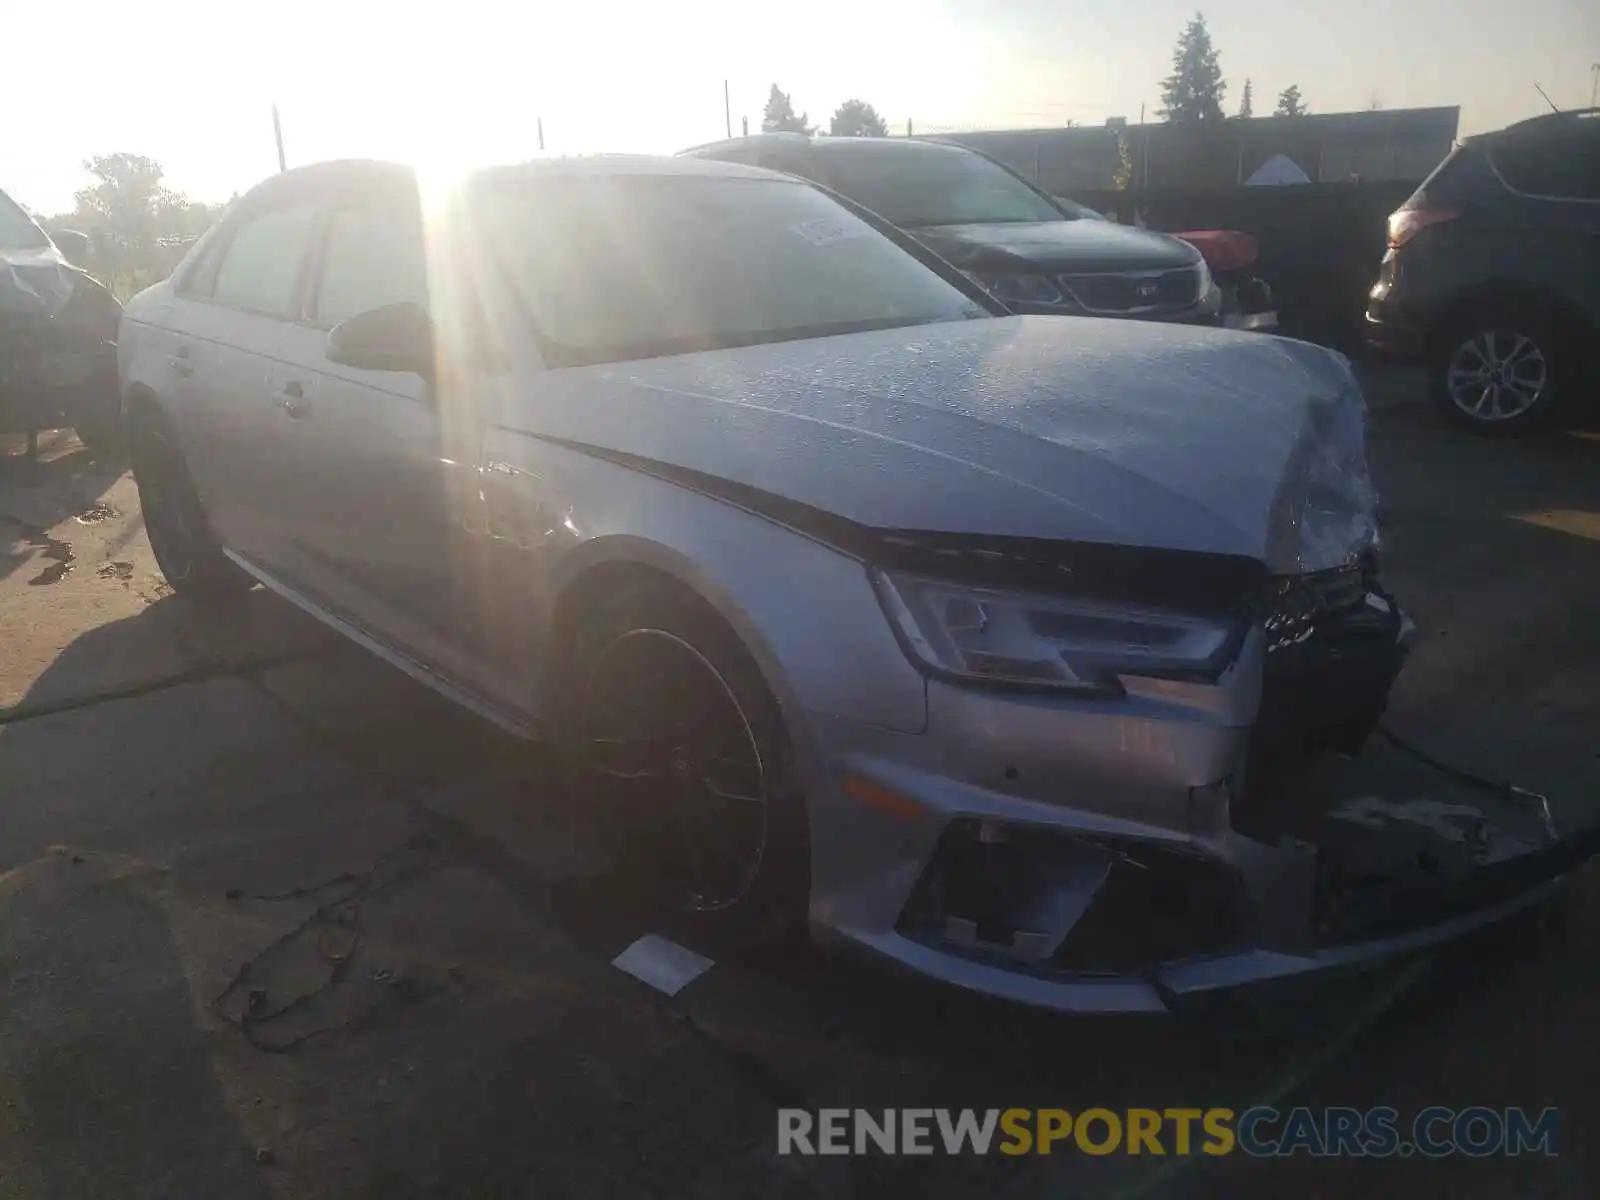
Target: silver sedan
x=985, y=643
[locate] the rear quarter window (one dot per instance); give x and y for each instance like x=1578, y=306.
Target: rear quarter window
x=1563, y=164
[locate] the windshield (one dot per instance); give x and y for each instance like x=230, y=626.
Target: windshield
x=936, y=185
x=621, y=268
x=17, y=232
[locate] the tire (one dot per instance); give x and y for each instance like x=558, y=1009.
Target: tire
x=677, y=745
x=1518, y=360
x=103, y=436
x=185, y=548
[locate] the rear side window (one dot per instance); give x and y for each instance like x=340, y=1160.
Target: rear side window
x=199, y=279
x=1563, y=164
x=373, y=258
x=260, y=270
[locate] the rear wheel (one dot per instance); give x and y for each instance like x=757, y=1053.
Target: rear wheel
x=680, y=749
x=185, y=548
x=1501, y=369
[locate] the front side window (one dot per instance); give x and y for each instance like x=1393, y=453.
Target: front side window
x=919, y=184
x=260, y=269
x=621, y=268
x=373, y=258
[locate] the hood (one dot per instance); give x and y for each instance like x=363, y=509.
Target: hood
x=1112, y=432
x=1056, y=246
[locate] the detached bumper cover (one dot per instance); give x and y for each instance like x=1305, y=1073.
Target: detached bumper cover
x=1095, y=905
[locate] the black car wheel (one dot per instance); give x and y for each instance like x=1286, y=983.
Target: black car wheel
x=1500, y=370
x=185, y=548
x=679, y=749
x=102, y=433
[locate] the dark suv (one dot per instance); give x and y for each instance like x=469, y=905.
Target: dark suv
x=1492, y=277
x=58, y=337
x=1033, y=252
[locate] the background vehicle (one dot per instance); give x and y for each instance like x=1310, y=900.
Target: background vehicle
x=1035, y=253
x=58, y=329
x=1492, y=276
x=1247, y=301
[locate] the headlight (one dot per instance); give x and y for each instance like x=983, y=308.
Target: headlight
x=1204, y=285
x=985, y=635
x=1020, y=289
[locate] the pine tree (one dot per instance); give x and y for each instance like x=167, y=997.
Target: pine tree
x=857, y=118
x=780, y=116
x=1290, y=104
x=1194, y=90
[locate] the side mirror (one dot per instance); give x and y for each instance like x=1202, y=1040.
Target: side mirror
x=74, y=245
x=397, y=337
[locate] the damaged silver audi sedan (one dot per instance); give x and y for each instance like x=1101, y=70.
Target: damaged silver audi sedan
x=985, y=643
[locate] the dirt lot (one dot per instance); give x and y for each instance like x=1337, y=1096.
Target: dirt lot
x=204, y=822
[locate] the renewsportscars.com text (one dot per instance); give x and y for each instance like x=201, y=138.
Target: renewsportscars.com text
x=1261, y=1132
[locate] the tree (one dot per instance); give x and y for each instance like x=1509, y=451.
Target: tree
x=139, y=226
x=1247, y=108
x=1122, y=176
x=1194, y=90
x=1290, y=104
x=857, y=118
x=779, y=115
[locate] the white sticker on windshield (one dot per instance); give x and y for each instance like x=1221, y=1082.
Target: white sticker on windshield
x=822, y=230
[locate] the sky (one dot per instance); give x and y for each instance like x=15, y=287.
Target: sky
x=446, y=85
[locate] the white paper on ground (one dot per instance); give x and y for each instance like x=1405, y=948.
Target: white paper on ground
x=663, y=964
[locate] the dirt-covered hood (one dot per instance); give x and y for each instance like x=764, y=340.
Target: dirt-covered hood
x=1041, y=427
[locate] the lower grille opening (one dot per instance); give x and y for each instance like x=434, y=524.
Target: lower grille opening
x=1063, y=904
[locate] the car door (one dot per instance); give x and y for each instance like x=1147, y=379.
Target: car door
x=229, y=326
x=380, y=477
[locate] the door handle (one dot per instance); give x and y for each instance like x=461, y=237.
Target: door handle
x=179, y=361
x=292, y=399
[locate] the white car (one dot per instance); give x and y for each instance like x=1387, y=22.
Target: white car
x=978, y=641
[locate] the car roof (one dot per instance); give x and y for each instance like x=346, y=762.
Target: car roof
x=1570, y=120
x=863, y=146
x=338, y=176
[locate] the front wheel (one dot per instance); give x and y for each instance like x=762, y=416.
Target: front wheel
x=1501, y=370
x=680, y=751
x=185, y=548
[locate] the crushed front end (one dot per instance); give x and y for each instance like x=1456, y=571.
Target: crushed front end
x=1194, y=828
x=58, y=344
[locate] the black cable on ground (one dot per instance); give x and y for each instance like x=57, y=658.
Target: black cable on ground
x=343, y=911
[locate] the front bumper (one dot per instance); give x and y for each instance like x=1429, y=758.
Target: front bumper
x=1389, y=330
x=1086, y=857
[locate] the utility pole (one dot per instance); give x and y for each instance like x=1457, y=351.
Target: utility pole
x=540, y=121
x=1594, y=87
x=277, y=136
x=727, y=110
x=744, y=126
x=908, y=126
x=1144, y=150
